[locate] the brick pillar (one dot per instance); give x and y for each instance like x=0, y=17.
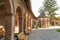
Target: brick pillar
x=9, y=24
x=31, y=23
x=26, y=21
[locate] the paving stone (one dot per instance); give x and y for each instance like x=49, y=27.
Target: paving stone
x=44, y=34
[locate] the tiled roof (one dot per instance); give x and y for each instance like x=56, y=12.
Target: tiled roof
x=42, y=15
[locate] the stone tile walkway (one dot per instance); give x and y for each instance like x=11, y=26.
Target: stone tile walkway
x=2, y=39
x=44, y=34
x=25, y=38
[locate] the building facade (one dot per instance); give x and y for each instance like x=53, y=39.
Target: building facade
x=55, y=22
x=43, y=21
x=16, y=13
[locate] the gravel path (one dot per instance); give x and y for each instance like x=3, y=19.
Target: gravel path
x=44, y=34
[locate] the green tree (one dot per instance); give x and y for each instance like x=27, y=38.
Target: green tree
x=50, y=6
x=1, y=2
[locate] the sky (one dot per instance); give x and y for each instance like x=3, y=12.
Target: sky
x=36, y=4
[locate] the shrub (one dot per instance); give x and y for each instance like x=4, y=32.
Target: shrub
x=58, y=30
x=15, y=34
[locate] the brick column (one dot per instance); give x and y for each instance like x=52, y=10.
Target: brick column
x=26, y=21
x=9, y=25
x=31, y=23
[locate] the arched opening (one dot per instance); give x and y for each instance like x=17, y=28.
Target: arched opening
x=16, y=28
x=18, y=22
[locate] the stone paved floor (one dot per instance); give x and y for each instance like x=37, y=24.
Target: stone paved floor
x=44, y=34
x=25, y=38
x=2, y=39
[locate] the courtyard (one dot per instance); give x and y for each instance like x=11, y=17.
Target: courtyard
x=20, y=20
x=50, y=33
x=44, y=34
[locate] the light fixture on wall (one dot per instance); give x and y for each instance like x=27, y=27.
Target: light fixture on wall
x=29, y=28
x=1, y=26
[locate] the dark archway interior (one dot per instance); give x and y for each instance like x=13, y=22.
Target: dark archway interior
x=18, y=19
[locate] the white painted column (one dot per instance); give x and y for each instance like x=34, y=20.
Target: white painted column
x=41, y=22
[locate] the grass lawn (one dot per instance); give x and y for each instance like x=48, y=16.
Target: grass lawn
x=58, y=30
